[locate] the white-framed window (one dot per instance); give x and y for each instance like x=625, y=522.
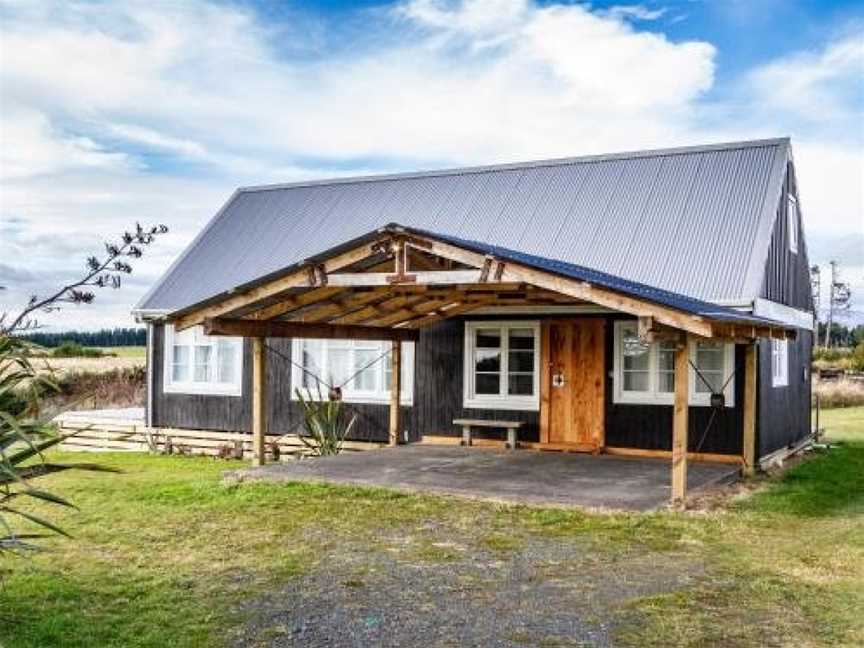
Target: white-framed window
x=363, y=369
x=199, y=364
x=645, y=373
x=779, y=363
x=502, y=365
x=792, y=221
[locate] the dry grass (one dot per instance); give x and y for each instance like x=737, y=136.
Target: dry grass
x=844, y=392
x=63, y=366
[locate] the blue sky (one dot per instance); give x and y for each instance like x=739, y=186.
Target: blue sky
x=112, y=112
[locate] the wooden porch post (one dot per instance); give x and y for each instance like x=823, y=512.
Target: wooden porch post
x=259, y=400
x=395, y=390
x=679, y=424
x=750, y=410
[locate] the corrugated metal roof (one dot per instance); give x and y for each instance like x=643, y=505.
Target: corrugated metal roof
x=692, y=221
x=604, y=280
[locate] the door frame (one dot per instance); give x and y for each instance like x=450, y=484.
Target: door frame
x=546, y=387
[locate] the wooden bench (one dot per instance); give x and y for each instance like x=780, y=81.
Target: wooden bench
x=510, y=426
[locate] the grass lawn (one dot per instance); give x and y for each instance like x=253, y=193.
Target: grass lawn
x=163, y=555
x=138, y=352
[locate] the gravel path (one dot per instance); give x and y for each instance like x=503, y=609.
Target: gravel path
x=549, y=592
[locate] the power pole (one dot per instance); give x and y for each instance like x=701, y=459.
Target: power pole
x=839, y=299
x=816, y=291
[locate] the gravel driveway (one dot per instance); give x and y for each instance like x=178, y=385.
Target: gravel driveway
x=550, y=592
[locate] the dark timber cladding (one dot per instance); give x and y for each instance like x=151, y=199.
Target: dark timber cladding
x=234, y=413
x=787, y=274
x=784, y=412
x=438, y=398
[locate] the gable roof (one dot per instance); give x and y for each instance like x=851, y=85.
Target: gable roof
x=693, y=221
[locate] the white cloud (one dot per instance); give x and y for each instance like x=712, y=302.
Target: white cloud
x=156, y=111
x=635, y=12
x=806, y=83
x=31, y=146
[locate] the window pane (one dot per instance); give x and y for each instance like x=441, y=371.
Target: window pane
x=521, y=361
x=709, y=360
x=636, y=381
x=522, y=339
x=488, y=339
x=521, y=384
x=487, y=383
x=202, y=363
x=709, y=356
x=487, y=360
x=666, y=382
x=666, y=367
x=312, y=362
x=366, y=379
x=225, y=362
x=180, y=364
x=634, y=351
x=338, y=366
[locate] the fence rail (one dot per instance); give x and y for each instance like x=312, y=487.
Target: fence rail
x=102, y=432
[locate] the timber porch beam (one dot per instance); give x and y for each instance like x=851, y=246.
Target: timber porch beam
x=420, y=278
x=291, y=303
x=304, y=276
x=280, y=329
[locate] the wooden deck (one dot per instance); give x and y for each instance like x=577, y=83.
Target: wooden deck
x=124, y=430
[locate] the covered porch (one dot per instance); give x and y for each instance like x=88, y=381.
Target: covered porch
x=538, y=478
x=395, y=282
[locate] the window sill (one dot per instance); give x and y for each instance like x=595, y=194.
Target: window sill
x=203, y=390
x=508, y=403
x=694, y=401
x=405, y=400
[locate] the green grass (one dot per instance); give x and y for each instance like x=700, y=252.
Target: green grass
x=138, y=352
x=163, y=554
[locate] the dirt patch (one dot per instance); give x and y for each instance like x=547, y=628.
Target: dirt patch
x=444, y=592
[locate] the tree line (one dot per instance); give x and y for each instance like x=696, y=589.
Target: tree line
x=116, y=337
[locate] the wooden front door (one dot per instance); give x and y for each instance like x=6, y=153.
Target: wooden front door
x=572, y=383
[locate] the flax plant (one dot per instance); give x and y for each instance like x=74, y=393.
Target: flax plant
x=324, y=423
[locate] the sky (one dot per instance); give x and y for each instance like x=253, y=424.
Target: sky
x=113, y=113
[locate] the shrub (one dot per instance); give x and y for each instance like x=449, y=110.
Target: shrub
x=71, y=349
x=856, y=359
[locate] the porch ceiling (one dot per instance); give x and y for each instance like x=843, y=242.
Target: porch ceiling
x=399, y=279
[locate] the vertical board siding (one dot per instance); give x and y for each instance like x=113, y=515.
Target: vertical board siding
x=784, y=412
x=650, y=426
x=787, y=274
x=439, y=386
x=234, y=414
x=438, y=397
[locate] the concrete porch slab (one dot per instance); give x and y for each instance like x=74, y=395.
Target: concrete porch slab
x=521, y=476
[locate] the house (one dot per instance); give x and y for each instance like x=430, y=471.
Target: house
x=636, y=303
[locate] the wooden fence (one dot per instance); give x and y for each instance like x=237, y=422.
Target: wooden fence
x=104, y=431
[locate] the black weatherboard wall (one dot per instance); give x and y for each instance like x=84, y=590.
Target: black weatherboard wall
x=234, y=413
x=438, y=397
x=784, y=412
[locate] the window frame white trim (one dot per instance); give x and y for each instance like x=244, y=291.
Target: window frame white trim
x=470, y=400
x=780, y=379
x=792, y=222
x=654, y=397
x=170, y=386
x=406, y=393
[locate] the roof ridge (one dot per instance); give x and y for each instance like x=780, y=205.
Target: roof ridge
x=528, y=164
